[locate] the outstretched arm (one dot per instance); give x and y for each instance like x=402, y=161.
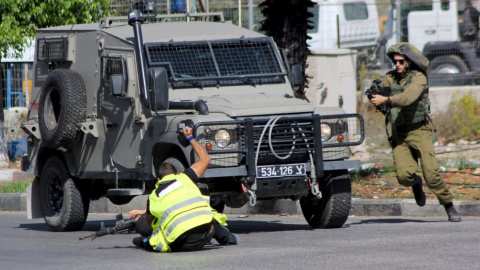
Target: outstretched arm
x=203, y=159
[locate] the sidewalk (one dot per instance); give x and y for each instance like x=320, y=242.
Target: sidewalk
x=360, y=207
x=17, y=202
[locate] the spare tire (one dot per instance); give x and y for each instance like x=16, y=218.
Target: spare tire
x=63, y=104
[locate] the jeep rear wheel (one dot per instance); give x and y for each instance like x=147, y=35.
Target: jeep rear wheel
x=64, y=206
x=63, y=105
x=332, y=210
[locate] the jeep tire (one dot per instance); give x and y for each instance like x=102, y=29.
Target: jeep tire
x=64, y=206
x=62, y=106
x=332, y=210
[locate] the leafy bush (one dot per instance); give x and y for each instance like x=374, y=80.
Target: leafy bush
x=466, y=110
x=459, y=121
x=14, y=187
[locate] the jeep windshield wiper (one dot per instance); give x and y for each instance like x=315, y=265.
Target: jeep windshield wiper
x=195, y=83
x=191, y=82
x=248, y=81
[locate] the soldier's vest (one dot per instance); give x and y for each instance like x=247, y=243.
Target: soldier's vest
x=413, y=113
x=178, y=206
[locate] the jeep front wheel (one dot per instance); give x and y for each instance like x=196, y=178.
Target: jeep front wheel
x=332, y=210
x=64, y=206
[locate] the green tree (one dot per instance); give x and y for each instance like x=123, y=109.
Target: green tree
x=287, y=22
x=20, y=18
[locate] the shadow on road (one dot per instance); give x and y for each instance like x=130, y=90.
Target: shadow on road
x=252, y=226
x=242, y=226
x=34, y=226
x=93, y=225
x=390, y=221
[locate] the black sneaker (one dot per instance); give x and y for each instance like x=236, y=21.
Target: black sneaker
x=452, y=213
x=233, y=239
x=140, y=242
x=418, y=192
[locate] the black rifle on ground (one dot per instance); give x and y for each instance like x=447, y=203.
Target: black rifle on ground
x=122, y=225
x=376, y=89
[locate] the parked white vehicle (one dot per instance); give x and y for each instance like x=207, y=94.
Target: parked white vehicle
x=357, y=25
x=345, y=24
x=445, y=31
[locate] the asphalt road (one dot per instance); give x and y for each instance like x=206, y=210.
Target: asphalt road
x=266, y=242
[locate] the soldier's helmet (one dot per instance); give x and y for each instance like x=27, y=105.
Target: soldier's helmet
x=411, y=52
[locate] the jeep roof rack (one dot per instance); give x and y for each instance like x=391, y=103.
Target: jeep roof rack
x=206, y=16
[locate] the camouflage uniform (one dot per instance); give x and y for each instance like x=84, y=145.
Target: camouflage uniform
x=414, y=139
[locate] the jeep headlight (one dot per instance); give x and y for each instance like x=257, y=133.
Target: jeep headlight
x=326, y=131
x=222, y=138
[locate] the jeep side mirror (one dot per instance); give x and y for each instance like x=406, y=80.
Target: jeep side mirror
x=297, y=75
x=158, y=82
x=118, y=87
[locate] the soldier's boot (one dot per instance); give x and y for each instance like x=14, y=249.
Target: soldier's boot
x=418, y=193
x=452, y=213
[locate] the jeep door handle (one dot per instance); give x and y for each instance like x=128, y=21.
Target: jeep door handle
x=430, y=32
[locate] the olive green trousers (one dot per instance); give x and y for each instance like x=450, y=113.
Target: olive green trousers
x=414, y=144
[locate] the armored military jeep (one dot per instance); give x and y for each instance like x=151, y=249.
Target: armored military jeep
x=110, y=98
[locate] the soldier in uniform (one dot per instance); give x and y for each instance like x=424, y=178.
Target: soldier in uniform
x=411, y=131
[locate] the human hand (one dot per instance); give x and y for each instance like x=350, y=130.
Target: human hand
x=378, y=100
x=187, y=131
x=136, y=213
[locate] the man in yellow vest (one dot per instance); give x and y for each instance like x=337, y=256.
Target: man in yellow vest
x=178, y=217
x=412, y=132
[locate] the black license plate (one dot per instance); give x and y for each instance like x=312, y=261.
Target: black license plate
x=283, y=170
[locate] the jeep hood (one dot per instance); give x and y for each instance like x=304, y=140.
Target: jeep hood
x=256, y=104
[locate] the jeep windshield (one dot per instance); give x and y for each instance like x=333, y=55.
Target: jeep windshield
x=218, y=62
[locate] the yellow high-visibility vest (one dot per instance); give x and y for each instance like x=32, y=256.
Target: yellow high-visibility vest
x=178, y=206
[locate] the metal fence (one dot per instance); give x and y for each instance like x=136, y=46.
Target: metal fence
x=247, y=10
x=446, y=31
x=15, y=84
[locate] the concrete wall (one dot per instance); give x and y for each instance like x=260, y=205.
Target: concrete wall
x=333, y=73
x=14, y=117
x=441, y=97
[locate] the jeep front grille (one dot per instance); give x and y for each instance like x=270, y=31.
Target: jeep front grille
x=284, y=139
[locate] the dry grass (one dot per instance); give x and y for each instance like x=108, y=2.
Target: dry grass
x=464, y=187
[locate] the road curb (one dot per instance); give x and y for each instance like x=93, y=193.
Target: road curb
x=360, y=207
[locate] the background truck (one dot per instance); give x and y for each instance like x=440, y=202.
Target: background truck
x=345, y=24
x=447, y=32
x=110, y=98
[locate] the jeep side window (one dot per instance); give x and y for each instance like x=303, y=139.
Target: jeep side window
x=114, y=68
